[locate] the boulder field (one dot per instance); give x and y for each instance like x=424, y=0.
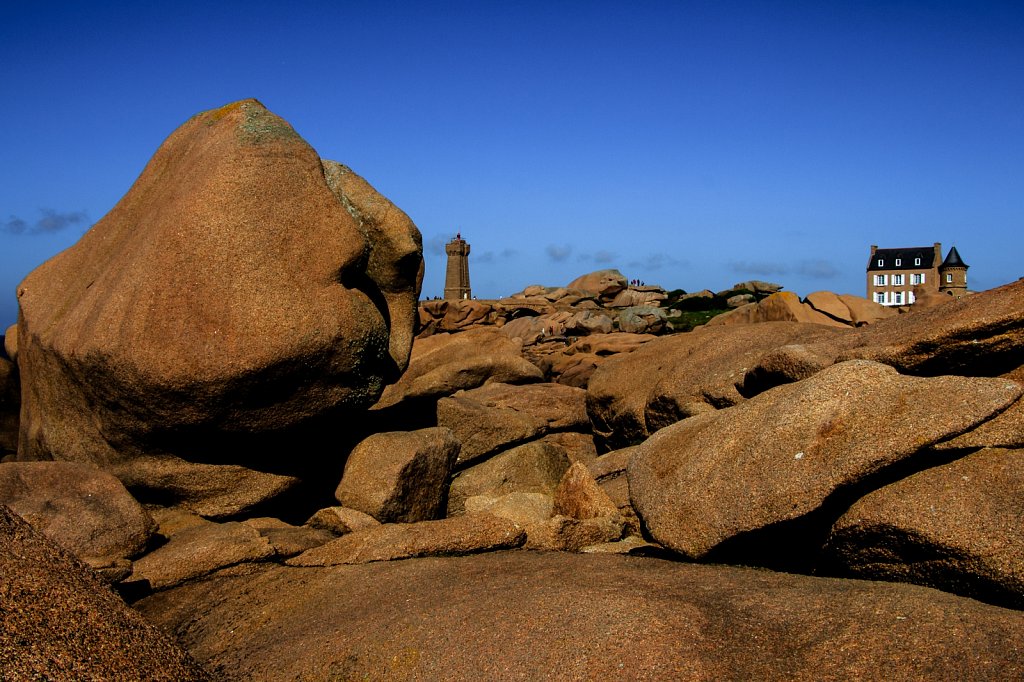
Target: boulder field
x=235, y=418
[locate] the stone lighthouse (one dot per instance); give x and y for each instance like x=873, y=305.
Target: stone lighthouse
x=456, y=279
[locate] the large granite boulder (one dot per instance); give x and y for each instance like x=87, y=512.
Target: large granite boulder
x=58, y=621
x=848, y=309
x=233, y=298
x=957, y=527
x=671, y=378
x=641, y=320
x=603, y=284
x=400, y=476
x=758, y=483
x=83, y=509
x=524, y=615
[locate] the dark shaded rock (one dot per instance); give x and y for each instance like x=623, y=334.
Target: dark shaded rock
x=957, y=527
x=401, y=476
x=466, y=534
x=59, y=622
x=83, y=509
x=216, y=491
x=574, y=616
x=746, y=484
x=10, y=406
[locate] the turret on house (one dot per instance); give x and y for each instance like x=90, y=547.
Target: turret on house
x=897, y=277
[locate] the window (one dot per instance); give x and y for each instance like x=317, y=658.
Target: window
x=879, y=280
x=897, y=298
x=898, y=262
x=881, y=262
x=897, y=280
x=949, y=278
x=880, y=297
x=917, y=261
x=917, y=278
x=911, y=298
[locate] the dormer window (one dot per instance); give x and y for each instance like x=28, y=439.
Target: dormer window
x=898, y=262
x=917, y=261
x=881, y=262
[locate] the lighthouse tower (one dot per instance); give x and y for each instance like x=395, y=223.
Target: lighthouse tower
x=456, y=279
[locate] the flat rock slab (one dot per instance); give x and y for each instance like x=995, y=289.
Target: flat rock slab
x=466, y=534
x=778, y=457
x=202, y=549
x=59, y=622
x=539, y=615
x=957, y=527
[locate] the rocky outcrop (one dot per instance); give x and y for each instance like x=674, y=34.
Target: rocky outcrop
x=671, y=378
x=956, y=527
x=755, y=483
x=784, y=306
x=641, y=320
x=400, y=476
x=631, y=618
x=83, y=509
x=58, y=621
x=194, y=321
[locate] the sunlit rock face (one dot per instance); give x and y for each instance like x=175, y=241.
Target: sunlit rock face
x=232, y=292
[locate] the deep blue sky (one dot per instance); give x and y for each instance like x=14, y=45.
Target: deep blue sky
x=689, y=144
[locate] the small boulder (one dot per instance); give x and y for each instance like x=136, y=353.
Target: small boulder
x=641, y=320
x=286, y=539
x=341, y=520
x=534, y=467
x=85, y=510
x=11, y=343
x=579, y=497
x=400, y=476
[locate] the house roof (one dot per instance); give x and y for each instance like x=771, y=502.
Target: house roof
x=953, y=260
x=906, y=257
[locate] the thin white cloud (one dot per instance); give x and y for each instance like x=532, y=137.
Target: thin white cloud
x=558, y=253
